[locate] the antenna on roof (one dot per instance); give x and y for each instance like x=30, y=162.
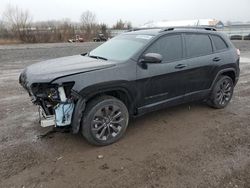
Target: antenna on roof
x=198, y=23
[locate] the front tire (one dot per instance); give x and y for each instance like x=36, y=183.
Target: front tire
x=105, y=120
x=222, y=92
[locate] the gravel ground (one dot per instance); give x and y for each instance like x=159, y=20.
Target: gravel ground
x=190, y=145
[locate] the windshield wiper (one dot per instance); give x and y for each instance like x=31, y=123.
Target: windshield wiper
x=98, y=57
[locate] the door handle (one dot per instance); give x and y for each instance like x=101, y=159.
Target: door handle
x=216, y=59
x=180, y=66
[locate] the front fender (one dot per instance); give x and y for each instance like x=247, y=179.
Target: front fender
x=127, y=87
x=87, y=93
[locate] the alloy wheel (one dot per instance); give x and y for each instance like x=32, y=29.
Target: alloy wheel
x=224, y=92
x=107, y=122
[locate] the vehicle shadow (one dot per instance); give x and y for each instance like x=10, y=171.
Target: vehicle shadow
x=136, y=126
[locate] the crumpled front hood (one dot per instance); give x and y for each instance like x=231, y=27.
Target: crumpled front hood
x=47, y=71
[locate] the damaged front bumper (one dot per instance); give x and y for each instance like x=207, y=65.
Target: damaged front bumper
x=45, y=120
x=59, y=105
x=62, y=111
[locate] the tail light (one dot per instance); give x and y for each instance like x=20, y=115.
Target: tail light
x=238, y=52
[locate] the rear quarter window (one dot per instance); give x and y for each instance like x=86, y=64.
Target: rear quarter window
x=198, y=45
x=219, y=43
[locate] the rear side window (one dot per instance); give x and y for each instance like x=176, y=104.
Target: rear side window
x=219, y=43
x=198, y=45
x=170, y=47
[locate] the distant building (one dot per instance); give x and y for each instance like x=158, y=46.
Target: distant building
x=237, y=31
x=198, y=22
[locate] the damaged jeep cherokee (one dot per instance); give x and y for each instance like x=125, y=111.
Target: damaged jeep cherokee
x=132, y=74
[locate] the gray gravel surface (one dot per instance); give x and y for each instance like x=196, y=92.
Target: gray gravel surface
x=190, y=145
x=39, y=52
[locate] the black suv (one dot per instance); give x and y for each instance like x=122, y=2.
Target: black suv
x=134, y=73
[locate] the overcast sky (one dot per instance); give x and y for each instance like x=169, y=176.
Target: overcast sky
x=136, y=11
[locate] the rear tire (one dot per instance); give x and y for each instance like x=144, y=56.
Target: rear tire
x=222, y=92
x=105, y=120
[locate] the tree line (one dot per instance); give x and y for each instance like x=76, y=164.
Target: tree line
x=16, y=24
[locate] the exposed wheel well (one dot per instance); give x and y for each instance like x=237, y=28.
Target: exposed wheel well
x=231, y=74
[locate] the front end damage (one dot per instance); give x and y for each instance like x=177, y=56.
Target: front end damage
x=55, y=107
x=56, y=103
x=57, y=96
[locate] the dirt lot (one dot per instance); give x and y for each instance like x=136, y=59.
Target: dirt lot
x=190, y=145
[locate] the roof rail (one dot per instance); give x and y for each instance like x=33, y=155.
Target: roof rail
x=145, y=28
x=173, y=28
x=189, y=27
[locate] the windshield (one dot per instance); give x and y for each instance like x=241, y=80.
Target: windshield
x=120, y=48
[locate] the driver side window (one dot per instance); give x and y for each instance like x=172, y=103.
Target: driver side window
x=170, y=47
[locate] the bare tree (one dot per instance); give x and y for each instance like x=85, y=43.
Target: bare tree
x=120, y=24
x=129, y=25
x=2, y=25
x=19, y=21
x=104, y=29
x=66, y=29
x=89, y=23
x=54, y=30
x=3, y=30
x=88, y=18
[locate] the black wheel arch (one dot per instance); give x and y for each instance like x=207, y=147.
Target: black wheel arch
x=231, y=72
x=121, y=90
x=219, y=91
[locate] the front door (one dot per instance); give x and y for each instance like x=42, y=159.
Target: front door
x=162, y=82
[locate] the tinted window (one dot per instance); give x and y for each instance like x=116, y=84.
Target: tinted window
x=198, y=45
x=170, y=47
x=218, y=43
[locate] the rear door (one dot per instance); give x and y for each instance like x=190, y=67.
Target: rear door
x=200, y=62
x=222, y=54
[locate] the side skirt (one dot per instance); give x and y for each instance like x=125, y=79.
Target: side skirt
x=194, y=96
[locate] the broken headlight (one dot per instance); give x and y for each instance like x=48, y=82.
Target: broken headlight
x=53, y=94
x=46, y=92
x=50, y=91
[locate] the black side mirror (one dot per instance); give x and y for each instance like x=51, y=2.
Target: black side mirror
x=151, y=58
